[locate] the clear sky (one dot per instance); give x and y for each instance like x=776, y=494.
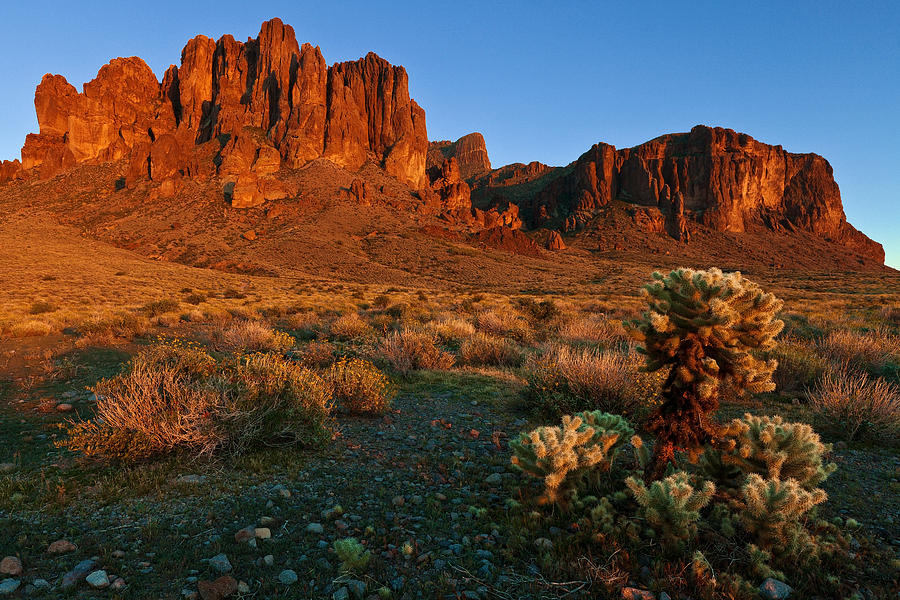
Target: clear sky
x=545, y=80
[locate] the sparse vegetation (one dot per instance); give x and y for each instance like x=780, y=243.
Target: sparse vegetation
x=409, y=349
x=359, y=387
x=253, y=336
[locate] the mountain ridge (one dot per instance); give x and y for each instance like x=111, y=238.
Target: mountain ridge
x=240, y=115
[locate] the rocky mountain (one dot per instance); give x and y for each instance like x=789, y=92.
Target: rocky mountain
x=237, y=110
x=237, y=118
x=714, y=177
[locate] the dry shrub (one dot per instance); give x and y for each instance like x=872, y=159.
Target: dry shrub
x=482, y=349
x=450, y=328
x=252, y=336
x=799, y=365
x=854, y=405
x=306, y=322
x=121, y=324
x=871, y=350
x=359, y=387
x=409, y=349
x=159, y=307
x=174, y=397
x=565, y=381
x=592, y=329
x=316, y=353
x=30, y=327
x=350, y=327
x=504, y=323
x=272, y=401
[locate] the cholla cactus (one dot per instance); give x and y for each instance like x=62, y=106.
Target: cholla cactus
x=702, y=325
x=604, y=423
x=672, y=505
x=560, y=455
x=354, y=557
x=771, y=510
x=771, y=448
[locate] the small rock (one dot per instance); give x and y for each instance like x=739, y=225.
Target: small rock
x=631, y=593
x=315, y=528
x=357, y=589
x=288, y=577
x=341, y=594
x=98, y=580
x=118, y=584
x=223, y=587
x=41, y=584
x=220, y=563
x=118, y=554
x=10, y=566
x=263, y=533
x=398, y=501
x=243, y=587
x=494, y=479
x=244, y=535
x=543, y=544
x=268, y=560
x=80, y=571
x=8, y=586
x=64, y=407
x=191, y=479
x=249, y=235
x=61, y=547
x=772, y=589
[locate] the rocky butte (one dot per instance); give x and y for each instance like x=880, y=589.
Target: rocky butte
x=236, y=113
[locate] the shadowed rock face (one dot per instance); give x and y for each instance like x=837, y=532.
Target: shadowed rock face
x=723, y=179
x=265, y=93
x=469, y=151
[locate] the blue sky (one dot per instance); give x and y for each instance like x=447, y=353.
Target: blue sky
x=545, y=80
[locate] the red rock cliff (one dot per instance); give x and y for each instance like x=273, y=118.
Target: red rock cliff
x=265, y=93
x=718, y=177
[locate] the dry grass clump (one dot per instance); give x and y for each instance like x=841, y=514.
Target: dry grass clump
x=592, y=329
x=565, y=381
x=41, y=307
x=252, y=336
x=105, y=327
x=450, y=328
x=159, y=307
x=853, y=405
x=799, y=365
x=316, y=353
x=482, y=349
x=871, y=350
x=504, y=323
x=174, y=397
x=30, y=328
x=351, y=327
x=409, y=349
x=359, y=387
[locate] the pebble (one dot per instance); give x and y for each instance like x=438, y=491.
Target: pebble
x=220, y=563
x=97, y=580
x=357, y=589
x=10, y=565
x=263, y=533
x=191, y=479
x=494, y=479
x=772, y=589
x=8, y=586
x=41, y=584
x=80, y=571
x=64, y=407
x=288, y=577
x=118, y=584
x=61, y=547
x=244, y=535
x=341, y=594
x=268, y=560
x=315, y=528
